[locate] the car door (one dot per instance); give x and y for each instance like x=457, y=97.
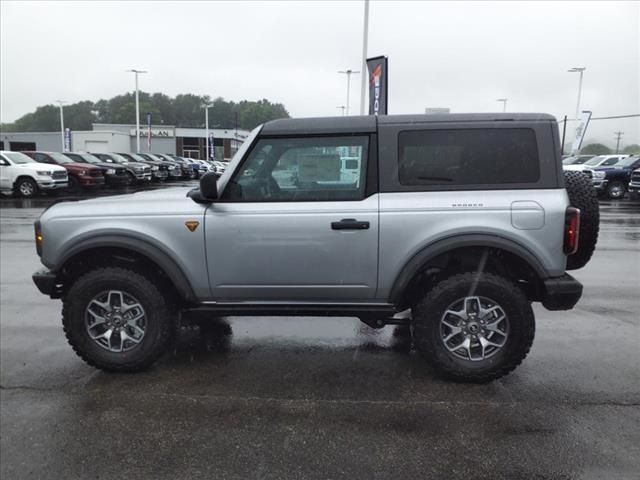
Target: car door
x=6, y=182
x=289, y=228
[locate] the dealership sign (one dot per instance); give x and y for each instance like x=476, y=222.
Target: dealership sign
x=155, y=132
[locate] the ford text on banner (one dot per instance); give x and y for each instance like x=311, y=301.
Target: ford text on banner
x=580, y=130
x=378, y=85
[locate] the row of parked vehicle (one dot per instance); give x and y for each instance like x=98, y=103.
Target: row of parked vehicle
x=28, y=173
x=611, y=175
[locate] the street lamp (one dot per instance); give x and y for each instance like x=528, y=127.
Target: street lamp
x=136, y=72
x=206, y=128
x=348, y=73
x=581, y=71
x=504, y=103
x=60, y=103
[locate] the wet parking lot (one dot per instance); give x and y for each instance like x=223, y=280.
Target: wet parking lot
x=322, y=397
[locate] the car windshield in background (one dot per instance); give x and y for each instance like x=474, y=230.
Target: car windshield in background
x=60, y=158
x=19, y=158
x=594, y=160
x=138, y=158
x=626, y=162
x=118, y=158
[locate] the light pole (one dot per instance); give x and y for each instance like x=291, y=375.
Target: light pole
x=206, y=128
x=581, y=71
x=136, y=72
x=365, y=39
x=504, y=103
x=60, y=103
x=348, y=73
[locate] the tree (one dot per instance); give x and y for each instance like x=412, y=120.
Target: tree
x=184, y=110
x=632, y=149
x=595, y=149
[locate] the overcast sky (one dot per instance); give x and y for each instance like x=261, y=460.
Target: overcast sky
x=458, y=55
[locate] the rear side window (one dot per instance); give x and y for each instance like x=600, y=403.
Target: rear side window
x=482, y=156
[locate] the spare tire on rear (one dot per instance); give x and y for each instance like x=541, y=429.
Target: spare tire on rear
x=583, y=196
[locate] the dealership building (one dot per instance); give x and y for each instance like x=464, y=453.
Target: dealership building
x=103, y=138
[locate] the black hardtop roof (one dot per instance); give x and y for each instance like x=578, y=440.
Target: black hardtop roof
x=367, y=123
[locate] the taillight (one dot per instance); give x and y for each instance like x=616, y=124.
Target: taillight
x=571, y=230
x=39, y=238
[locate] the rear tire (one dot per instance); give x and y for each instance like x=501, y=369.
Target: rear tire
x=504, y=344
x=140, y=328
x=583, y=196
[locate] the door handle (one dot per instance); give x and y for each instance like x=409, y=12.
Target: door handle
x=349, y=224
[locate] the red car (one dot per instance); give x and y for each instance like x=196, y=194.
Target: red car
x=82, y=175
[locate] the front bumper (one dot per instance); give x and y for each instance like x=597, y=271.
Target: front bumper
x=561, y=293
x=47, y=283
x=634, y=187
x=52, y=184
x=91, y=181
x=599, y=184
x=175, y=173
x=117, y=179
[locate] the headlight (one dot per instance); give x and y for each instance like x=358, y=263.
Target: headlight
x=171, y=167
x=155, y=169
x=82, y=172
x=44, y=173
x=599, y=175
x=110, y=171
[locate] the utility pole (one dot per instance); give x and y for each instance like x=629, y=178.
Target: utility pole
x=206, y=128
x=618, y=137
x=341, y=107
x=581, y=71
x=60, y=103
x=348, y=73
x=136, y=72
x=504, y=103
x=365, y=39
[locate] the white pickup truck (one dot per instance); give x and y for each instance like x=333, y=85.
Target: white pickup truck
x=25, y=177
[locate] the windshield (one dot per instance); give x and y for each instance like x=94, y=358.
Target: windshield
x=118, y=158
x=18, y=158
x=569, y=161
x=231, y=166
x=595, y=160
x=60, y=158
x=85, y=157
x=138, y=158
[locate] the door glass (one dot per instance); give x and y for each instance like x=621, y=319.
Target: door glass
x=302, y=169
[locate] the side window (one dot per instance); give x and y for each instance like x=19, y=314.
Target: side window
x=302, y=169
x=468, y=157
x=610, y=161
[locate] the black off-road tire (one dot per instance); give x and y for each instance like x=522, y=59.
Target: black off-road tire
x=159, y=317
x=583, y=196
x=427, y=313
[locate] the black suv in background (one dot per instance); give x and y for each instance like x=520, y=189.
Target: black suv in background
x=113, y=174
x=173, y=169
x=613, y=181
x=186, y=169
x=137, y=172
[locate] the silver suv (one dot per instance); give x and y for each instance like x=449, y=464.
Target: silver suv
x=455, y=223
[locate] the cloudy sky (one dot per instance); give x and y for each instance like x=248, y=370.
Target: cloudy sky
x=458, y=55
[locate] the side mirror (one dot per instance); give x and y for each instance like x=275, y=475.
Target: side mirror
x=209, y=186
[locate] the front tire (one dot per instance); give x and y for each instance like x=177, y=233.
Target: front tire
x=474, y=327
x=616, y=190
x=117, y=319
x=26, y=187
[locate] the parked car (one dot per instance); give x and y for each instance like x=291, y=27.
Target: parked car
x=465, y=227
x=186, y=170
x=173, y=169
x=159, y=170
x=24, y=177
x=81, y=175
x=220, y=166
x=114, y=175
x=576, y=159
x=599, y=161
x=613, y=181
x=634, y=185
x=137, y=172
x=189, y=169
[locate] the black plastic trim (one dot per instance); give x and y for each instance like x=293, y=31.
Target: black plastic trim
x=561, y=293
x=137, y=245
x=46, y=281
x=452, y=243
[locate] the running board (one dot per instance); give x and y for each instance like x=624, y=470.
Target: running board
x=375, y=315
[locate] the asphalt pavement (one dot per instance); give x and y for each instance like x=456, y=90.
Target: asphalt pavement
x=307, y=398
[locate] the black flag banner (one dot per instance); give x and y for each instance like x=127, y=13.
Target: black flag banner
x=378, y=85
